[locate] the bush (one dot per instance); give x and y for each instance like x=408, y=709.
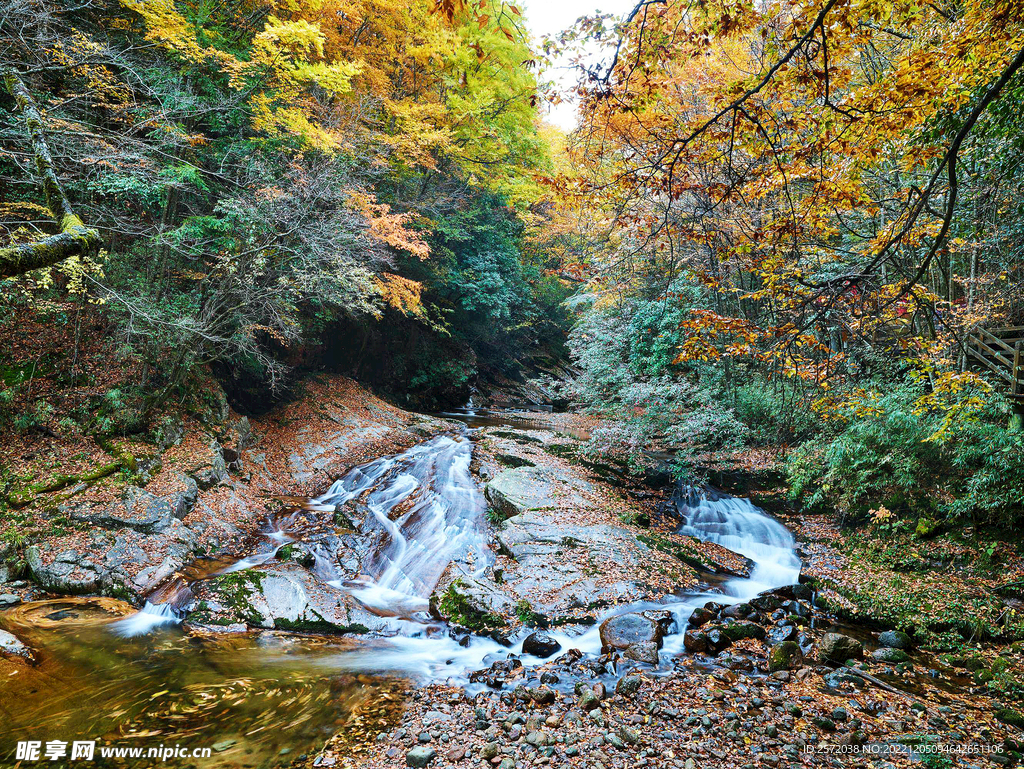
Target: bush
x=918, y=452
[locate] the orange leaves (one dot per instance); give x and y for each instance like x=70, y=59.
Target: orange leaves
x=389, y=227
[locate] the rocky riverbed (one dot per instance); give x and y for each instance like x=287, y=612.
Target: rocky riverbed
x=578, y=623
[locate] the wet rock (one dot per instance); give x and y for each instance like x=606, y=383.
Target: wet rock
x=627, y=686
x=542, y=695
x=701, y=616
x=475, y=603
x=8, y=600
x=695, y=641
x=588, y=700
x=420, y=756
x=540, y=645
x=887, y=654
x=894, y=639
x=11, y=644
x=785, y=656
x=782, y=633
x=737, y=631
x=644, y=651
x=738, y=611
x=624, y=630
x=838, y=648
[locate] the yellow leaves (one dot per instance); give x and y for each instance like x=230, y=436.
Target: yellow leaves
x=400, y=293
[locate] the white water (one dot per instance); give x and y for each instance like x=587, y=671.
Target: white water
x=425, y=512
x=145, y=619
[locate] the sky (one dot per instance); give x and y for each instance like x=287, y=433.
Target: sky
x=549, y=17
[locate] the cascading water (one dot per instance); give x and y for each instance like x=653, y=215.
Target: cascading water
x=423, y=511
x=737, y=525
x=439, y=522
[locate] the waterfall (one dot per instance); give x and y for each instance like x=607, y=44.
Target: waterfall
x=148, y=617
x=737, y=525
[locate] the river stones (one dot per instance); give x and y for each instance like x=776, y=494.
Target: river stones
x=420, y=756
x=785, y=656
x=540, y=645
x=894, y=639
x=623, y=630
x=838, y=648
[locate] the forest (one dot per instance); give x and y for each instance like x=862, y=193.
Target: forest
x=752, y=328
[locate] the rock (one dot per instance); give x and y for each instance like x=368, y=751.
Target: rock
x=10, y=644
x=540, y=645
x=785, y=656
x=838, y=648
x=473, y=603
x=737, y=631
x=624, y=630
x=212, y=470
x=887, y=654
x=420, y=756
x=644, y=651
x=9, y=599
x=894, y=639
x=695, y=641
x=588, y=700
x=738, y=611
x=781, y=634
x=627, y=686
x=1011, y=717
x=701, y=616
x=489, y=751
x=69, y=572
x=542, y=695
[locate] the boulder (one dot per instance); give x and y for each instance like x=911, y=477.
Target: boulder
x=623, y=630
x=738, y=611
x=695, y=641
x=212, y=469
x=782, y=633
x=838, y=648
x=784, y=656
x=889, y=654
x=701, y=616
x=69, y=572
x=894, y=639
x=737, y=631
x=540, y=645
x=642, y=651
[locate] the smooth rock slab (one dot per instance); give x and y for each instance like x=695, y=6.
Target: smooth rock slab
x=10, y=644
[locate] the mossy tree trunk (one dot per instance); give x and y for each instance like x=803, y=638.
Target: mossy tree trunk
x=74, y=238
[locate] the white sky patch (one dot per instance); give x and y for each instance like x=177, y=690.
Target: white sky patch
x=550, y=17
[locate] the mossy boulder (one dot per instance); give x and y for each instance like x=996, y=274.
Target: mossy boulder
x=886, y=654
x=785, y=656
x=1011, y=717
x=894, y=639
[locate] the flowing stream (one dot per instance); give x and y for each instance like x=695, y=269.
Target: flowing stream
x=103, y=673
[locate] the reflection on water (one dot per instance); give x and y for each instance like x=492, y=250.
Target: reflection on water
x=255, y=700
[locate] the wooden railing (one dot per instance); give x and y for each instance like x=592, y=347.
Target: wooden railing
x=1000, y=351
